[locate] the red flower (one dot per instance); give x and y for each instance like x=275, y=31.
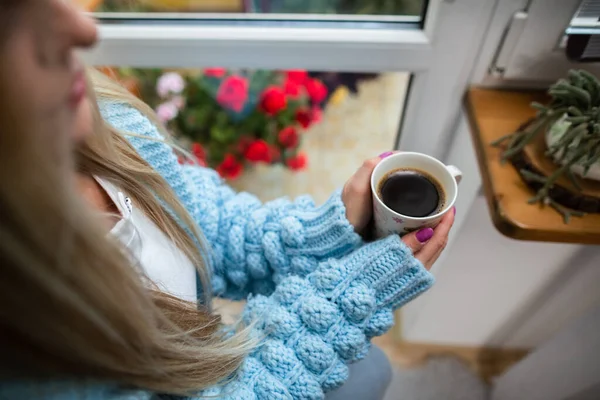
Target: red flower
x=316, y=90
x=184, y=160
x=199, y=155
x=243, y=144
x=297, y=162
x=215, y=72
x=297, y=75
x=258, y=151
x=233, y=93
x=288, y=137
x=198, y=151
x=230, y=168
x=304, y=117
x=292, y=89
x=316, y=114
x=272, y=100
x=274, y=153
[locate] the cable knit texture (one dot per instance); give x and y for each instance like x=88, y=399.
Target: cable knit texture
x=330, y=300
x=253, y=244
x=312, y=327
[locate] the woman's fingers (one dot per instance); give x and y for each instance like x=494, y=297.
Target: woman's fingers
x=362, y=178
x=356, y=195
x=359, y=184
x=416, y=240
x=430, y=252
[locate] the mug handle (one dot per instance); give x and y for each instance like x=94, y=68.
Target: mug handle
x=455, y=172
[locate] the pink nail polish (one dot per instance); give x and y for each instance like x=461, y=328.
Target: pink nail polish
x=424, y=235
x=454, y=210
x=386, y=154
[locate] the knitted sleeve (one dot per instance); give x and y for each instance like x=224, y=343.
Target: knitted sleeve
x=312, y=327
x=315, y=326
x=253, y=245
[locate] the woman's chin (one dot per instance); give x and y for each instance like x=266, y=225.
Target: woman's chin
x=82, y=122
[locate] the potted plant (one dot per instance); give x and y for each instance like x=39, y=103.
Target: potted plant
x=231, y=120
x=570, y=125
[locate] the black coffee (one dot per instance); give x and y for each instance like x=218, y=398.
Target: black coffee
x=411, y=192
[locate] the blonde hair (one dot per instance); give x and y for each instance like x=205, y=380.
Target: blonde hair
x=70, y=302
x=108, y=154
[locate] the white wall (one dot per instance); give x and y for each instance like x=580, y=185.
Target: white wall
x=495, y=291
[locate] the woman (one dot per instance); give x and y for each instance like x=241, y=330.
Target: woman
x=79, y=320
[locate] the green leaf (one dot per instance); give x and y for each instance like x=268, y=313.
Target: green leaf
x=582, y=96
x=575, y=78
x=574, y=111
x=221, y=118
x=218, y=135
x=593, y=85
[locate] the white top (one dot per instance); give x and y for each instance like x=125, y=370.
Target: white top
x=160, y=260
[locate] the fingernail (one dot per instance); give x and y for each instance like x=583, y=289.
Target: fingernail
x=424, y=235
x=454, y=210
x=386, y=154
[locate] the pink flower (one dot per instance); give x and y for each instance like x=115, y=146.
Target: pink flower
x=166, y=111
x=169, y=83
x=233, y=93
x=215, y=72
x=179, y=102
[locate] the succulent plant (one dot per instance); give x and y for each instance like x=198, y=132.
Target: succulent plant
x=575, y=105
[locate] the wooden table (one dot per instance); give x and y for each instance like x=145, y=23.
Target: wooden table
x=493, y=113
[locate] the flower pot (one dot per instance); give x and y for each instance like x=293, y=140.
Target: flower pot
x=554, y=134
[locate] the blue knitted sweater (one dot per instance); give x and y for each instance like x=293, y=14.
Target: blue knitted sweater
x=318, y=293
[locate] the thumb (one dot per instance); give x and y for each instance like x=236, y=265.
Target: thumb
x=416, y=240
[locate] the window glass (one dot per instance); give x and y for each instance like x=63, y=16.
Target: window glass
x=341, y=7
x=275, y=133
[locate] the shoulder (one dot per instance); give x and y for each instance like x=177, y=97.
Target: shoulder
x=142, y=134
x=190, y=182
x=128, y=119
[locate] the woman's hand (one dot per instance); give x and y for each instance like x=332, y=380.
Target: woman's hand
x=427, y=244
x=356, y=194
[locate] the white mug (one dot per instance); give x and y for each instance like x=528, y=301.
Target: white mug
x=387, y=221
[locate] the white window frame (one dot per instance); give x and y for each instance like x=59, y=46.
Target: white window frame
x=532, y=54
x=538, y=54
x=440, y=57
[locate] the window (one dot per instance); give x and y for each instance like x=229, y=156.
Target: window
x=340, y=7
x=310, y=143
x=436, y=46
x=529, y=40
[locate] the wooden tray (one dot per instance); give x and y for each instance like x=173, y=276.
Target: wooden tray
x=492, y=114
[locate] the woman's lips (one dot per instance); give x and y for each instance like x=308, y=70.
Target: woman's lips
x=78, y=90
